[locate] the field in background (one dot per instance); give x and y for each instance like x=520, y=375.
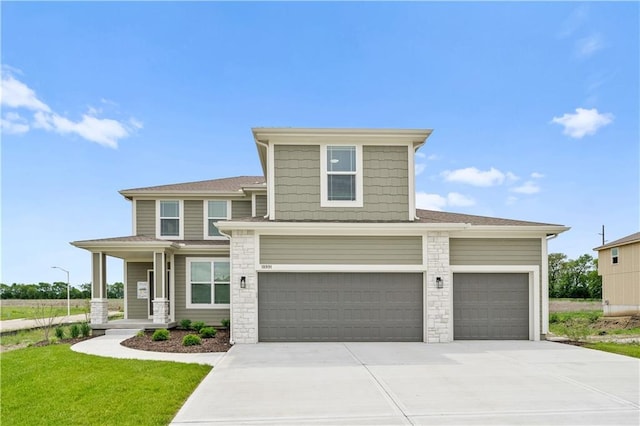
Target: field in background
x=79, y=304
x=574, y=305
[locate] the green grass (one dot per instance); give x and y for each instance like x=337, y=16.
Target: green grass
x=53, y=385
x=26, y=312
x=558, y=321
x=628, y=349
x=26, y=337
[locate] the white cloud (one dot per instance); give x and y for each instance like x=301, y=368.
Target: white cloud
x=103, y=131
x=583, y=122
x=16, y=94
x=419, y=168
x=459, y=200
x=473, y=176
x=433, y=157
x=574, y=21
x=536, y=175
x=587, y=46
x=529, y=187
x=438, y=202
x=511, y=177
x=13, y=123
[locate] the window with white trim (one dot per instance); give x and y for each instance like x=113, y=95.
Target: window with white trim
x=215, y=210
x=614, y=255
x=341, y=180
x=169, y=219
x=208, y=283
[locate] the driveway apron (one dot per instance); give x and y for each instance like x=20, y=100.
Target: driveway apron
x=469, y=382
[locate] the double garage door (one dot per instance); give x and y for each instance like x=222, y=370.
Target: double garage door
x=316, y=307
x=376, y=307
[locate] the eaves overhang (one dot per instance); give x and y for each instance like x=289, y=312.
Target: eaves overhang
x=185, y=195
x=98, y=245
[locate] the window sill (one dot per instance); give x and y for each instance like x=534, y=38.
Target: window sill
x=218, y=306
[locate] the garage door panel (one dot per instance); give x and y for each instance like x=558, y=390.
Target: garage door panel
x=340, y=307
x=491, y=306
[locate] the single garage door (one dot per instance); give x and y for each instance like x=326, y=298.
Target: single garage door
x=334, y=307
x=490, y=306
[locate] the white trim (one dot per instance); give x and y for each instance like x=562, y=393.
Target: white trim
x=205, y=215
x=212, y=305
x=102, y=274
x=412, y=184
x=172, y=287
x=134, y=213
x=253, y=204
x=180, y=235
x=149, y=299
x=346, y=228
x=544, y=286
x=425, y=299
x=534, y=290
x=271, y=185
x=256, y=250
x=324, y=201
x=125, y=269
x=262, y=267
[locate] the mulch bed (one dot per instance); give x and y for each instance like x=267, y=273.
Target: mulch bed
x=219, y=343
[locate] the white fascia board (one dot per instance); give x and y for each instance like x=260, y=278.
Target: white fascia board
x=183, y=195
x=124, y=246
x=340, y=228
x=266, y=268
x=524, y=231
x=302, y=134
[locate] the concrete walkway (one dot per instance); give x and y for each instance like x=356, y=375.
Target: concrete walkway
x=109, y=346
x=28, y=324
x=459, y=383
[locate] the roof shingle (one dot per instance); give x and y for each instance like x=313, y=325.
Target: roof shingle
x=213, y=185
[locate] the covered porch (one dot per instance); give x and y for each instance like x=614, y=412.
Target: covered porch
x=151, y=291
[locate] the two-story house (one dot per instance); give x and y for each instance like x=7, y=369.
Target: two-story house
x=327, y=246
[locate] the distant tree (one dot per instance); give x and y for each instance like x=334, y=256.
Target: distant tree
x=115, y=291
x=574, y=278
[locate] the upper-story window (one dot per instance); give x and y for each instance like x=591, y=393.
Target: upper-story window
x=169, y=223
x=215, y=210
x=341, y=180
x=614, y=255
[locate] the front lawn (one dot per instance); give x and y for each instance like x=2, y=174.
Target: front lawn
x=54, y=385
x=30, y=312
x=628, y=349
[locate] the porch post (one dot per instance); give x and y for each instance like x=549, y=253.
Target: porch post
x=160, y=296
x=99, y=305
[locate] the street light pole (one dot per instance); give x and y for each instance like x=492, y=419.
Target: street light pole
x=68, y=294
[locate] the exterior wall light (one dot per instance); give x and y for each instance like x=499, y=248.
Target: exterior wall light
x=439, y=282
x=243, y=282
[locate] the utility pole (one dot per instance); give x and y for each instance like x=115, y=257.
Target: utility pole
x=602, y=233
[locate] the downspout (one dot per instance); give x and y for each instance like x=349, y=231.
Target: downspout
x=266, y=147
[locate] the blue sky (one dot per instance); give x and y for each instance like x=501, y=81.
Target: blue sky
x=534, y=106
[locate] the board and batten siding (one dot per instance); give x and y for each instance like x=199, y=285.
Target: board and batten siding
x=137, y=308
x=146, y=217
x=340, y=250
x=193, y=219
x=209, y=316
x=495, y=251
x=385, y=184
x=261, y=205
x=240, y=209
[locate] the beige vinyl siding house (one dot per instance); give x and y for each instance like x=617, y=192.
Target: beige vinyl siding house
x=326, y=245
x=619, y=266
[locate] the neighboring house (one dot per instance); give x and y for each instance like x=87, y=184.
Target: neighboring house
x=327, y=246
x=619, y=266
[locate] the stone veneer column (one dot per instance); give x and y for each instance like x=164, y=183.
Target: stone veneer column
x=160, y=311
x=244, y=301
x=438, y=299
x=99, y=311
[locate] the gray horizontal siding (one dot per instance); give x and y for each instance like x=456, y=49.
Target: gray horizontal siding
x=146, y=217
x=385, y=185
x=495, y=251
x=261, y=205
x=240, y=209
x=137, y=308
x=209, y=316
x=193, y=219
x=355, y=250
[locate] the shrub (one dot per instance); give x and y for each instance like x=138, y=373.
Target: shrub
x=198, y=325
x=226, y=323
x=577, y=329
x=85, y=329
x=554, y=318
x=593, y=316
x=74, y=331
x=191, y=340
x=160, y=334
x=140, y=333
x=185, y=324
x=59, y=333
x=208, y=332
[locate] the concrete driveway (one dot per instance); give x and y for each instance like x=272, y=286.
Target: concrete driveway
x=471, y=383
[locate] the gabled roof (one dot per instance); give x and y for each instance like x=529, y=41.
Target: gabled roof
x=629, y=239
x=432, y=216
x=214, y=186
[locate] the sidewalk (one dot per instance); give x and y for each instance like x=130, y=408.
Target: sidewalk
x=28, y=324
